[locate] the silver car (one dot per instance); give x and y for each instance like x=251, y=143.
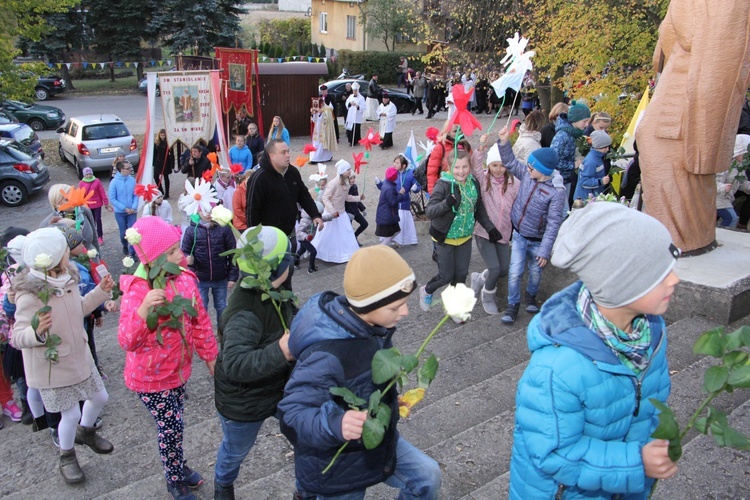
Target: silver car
x=93, y=141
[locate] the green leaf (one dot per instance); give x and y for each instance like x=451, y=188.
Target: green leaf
x=384, y=414
x=740, y=377
x=162, y=310
x=386, y=364
x=152, y=320
x=44, y=309
x=409, y=362
x=736, y=358
x=667, y=428
x=153, y=272
x=35, y=322
x=674, y=450
x=715, y=378
x=735, y=439
x=745, y=335
x=374, y=404
x=159, y=338
x=53, y=339
x=349, y=397
x=701, y=425
x=427, y=372
x=372, y=433
x=172, y=268
x=402, y=381
x=711, y=343
x=191, y=311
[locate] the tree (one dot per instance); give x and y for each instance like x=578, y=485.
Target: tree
x=387, y=19
x=22, y=18
x=287, y=32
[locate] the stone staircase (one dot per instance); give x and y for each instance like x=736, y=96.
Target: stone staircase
x=465, y=422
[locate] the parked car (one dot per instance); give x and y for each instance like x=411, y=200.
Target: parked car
x=93, y=140
x=20, y=173
x=24, y=134
x=403, y=101
x=7, y=117
x=48, y=86
x=143, y=86
x=37, y=116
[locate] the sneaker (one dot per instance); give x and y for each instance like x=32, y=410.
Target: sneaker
x=54, y=436
x=425, y=300
x=101, y=240
x=296, y=264
x=192, y=478
x=311, y=270
x=509, y=316
x=180, y=491
x=97, y=423
x=532, y=306
x=101, y=373
x=13, y=411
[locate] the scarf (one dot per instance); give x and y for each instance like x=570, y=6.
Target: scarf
x=57, y=283
x=89, y=179
x=632, y=349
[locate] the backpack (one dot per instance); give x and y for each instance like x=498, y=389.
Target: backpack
x=420, y=173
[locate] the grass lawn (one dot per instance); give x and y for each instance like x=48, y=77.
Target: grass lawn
x=129, y=83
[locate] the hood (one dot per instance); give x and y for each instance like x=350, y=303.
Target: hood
x=597, y=153
x=559, y=323
x=326, y=316
x=25, y=283
x=562, y=123
x=537, y=136
x=119, y=176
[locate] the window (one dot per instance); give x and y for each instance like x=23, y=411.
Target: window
x=324, y=22
x=351, y=27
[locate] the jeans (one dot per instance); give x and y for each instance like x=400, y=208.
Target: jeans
x=523, y=250
x=728, y=216
x=453, y=265
x=125, y=221
x=417, y=475
x=97, y=213
x=238, y=440
x=219, y=292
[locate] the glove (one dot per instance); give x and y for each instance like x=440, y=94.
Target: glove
x=495, y=235
x=452, y=201
x=377, y=180
x=364, y=213
x=415, y=188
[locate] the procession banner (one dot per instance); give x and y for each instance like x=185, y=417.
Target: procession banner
x=145, y=173
x=236, y=70
x=188, y=106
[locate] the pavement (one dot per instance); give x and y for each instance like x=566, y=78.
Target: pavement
x=465, y=421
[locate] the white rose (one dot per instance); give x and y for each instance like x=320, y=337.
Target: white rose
x=92, y=253
x=128, y=262
x=458, y=302
x=43, y=261
x=221, y=215
x=133, y=236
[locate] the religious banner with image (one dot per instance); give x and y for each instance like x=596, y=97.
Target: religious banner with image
x=188, y=106
x=237, y=71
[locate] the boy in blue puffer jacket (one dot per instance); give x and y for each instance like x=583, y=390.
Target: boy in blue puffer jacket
x=592, y=177
x=599, y=353
x=536, y=217
x=334, y=339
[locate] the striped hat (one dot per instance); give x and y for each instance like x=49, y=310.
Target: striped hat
x=276, y=249
x=376, y=276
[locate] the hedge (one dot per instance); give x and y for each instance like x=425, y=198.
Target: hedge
x=384, y=64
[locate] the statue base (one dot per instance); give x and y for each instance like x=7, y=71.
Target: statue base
x=714, y=283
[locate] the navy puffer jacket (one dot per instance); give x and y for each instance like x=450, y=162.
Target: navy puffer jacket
x=206, y=243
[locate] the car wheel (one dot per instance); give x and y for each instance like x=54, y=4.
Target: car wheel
x=79, y=170
x=12, y=193
x=37, y=125
x=62, y=153
x=41, y=94
x=158, y=92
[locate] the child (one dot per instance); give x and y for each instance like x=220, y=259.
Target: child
x=60, y=385
x=254, y=363
x=569, y=127
x=203, y=243
x=499, y=191
x=592, y=176
x=182, y=202
x=356, y=210
x=599, y=354
x=334, y=339
x=122, y=195
x=239, y=202
x=536, y=217
x=225, y=186
x=240, y=154
x=159, y=207
x=407, y=183
x=387, y=216
x=336, y=242
x=454, y=207
x=158, y=372
x=97, y=201
x=727, y=184
x=529, y=135
x=305, y=232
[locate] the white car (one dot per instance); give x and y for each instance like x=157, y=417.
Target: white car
x=93, y=141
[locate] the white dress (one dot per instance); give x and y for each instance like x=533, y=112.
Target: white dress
x=387, y=122
x=408, y=234
x=336, y=241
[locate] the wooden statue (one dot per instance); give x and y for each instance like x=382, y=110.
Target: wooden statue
x=687, y=133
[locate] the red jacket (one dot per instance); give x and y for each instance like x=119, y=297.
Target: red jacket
x=150, y=367
x=100, y=194
x=437, y=164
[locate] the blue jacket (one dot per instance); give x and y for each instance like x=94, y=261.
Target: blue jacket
x=206, y=244
x=242, y=156
x=284, y=135
x=122, y=192
x=580, y=419
x=537, y=211
x=334, y=348
x=388, y=203
x=590, y=175
x=564, y=143
x=406, y=180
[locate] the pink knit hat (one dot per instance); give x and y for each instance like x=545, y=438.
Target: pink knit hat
x=156, y=237
x=391, y=174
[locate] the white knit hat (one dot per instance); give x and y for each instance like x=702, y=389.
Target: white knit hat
x=342, y=166
x=48, y=241
x=493, y=154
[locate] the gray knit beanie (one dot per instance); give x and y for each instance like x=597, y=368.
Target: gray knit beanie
x=620, y=254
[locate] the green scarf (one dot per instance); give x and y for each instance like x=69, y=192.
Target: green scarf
x=463, y=222
x=89, y=179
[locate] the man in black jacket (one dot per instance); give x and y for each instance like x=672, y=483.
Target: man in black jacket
x=273, y=193
x=196, y=163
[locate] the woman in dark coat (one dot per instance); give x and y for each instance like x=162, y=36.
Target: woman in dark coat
x=163, y=162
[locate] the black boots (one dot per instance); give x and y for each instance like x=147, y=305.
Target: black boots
x=509, y=316
x=89, y=437
x=222, y=492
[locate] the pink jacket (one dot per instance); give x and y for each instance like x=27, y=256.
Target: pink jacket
x=100, y=195
x=497, y=203
x=150, y=367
